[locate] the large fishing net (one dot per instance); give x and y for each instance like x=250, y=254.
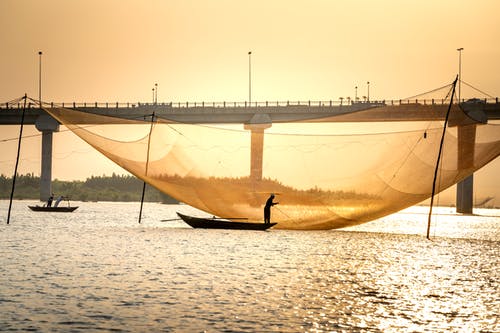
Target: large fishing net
x=328, y=171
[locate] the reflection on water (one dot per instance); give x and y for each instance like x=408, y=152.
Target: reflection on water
x=97, y=269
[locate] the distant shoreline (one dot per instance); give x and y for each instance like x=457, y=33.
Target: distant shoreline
x=115, y=188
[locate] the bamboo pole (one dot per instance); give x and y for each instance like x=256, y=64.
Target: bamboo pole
x=147, y=163
x=17, y=160
x=439, y=157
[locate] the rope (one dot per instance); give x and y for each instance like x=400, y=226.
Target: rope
x=24, y=137
x=282, y=212
x=428, y=92
x=482, y=92
x=60, y=105
x=16, y=100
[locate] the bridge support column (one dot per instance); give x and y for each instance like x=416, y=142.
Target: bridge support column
x=257, y=153
x=466, y=142
x=465, y=196
x=257, y=145
x=47, y=125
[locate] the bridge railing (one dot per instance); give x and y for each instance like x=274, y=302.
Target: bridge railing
x=290, y=103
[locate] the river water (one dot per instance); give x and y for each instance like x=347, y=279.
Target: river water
x=97, y=269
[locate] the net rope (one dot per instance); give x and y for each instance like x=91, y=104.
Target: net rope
x=476, y=89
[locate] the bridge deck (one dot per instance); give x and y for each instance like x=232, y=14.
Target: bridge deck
x=277, y=111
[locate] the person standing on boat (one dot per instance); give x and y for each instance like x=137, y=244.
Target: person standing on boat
x=58, y=200
x=267, y=208
x=49, y=202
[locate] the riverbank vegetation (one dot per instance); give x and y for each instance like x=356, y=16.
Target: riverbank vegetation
x=95, y=188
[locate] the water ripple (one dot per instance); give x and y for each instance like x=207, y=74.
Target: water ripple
x=95, y=271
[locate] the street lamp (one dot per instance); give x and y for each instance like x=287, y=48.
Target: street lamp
x=153, y=92
x=459, y=72
x=156, y=93
x=368, y=94
x=356, y=93
x=249, y=78
x=40, y=78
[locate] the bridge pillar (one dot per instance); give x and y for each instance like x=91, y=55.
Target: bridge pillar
x=465, y=197
x=257, y=153
x=257, y=127
x=466, y=142
x=47, y=125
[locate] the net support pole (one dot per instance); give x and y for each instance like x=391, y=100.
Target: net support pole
x=436, y=169
x=142, y=200
x=17, y=161
x=147, y=163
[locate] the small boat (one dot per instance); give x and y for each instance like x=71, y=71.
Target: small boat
x=217, y=223
x=53, y=209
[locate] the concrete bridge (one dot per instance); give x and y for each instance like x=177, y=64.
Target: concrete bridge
x=260, y=115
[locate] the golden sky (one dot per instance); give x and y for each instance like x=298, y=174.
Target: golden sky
x=116, y=50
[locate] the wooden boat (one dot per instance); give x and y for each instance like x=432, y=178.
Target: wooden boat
x=217, y=223
x=60, y=209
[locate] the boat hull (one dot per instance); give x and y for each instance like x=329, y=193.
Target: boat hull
x=53, y=209
x=212, y=223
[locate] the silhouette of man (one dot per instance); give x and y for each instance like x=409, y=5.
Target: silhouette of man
x=267, y=209
x=49, y=202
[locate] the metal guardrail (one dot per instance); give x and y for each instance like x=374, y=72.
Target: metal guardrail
x=273, y=104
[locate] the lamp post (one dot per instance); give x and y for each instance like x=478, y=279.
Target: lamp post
x=368, y=94
x=40, y=78
x=156, y=93
x=356, y=94
x=47, y=125
x=459, y=73
x=249, y=78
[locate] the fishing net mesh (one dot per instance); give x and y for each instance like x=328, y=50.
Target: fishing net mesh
x=327, y=172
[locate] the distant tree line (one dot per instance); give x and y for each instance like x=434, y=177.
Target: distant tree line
x=95, y=188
